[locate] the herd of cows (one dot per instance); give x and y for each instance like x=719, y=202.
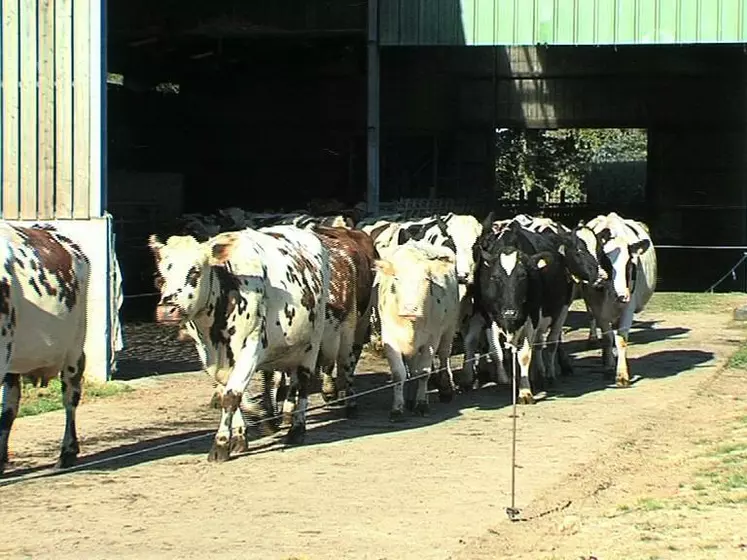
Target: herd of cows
x=302, y=297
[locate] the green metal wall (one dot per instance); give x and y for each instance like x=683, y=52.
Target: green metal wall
x=561, y=22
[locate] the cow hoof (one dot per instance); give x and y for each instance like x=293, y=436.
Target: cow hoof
x=526, y=397
x=237, y=445
x=446, y=397
x=396, y=416
x=219, y=453
x=327, y=397
x=410, y=405
x=351, y=411
x=296, y=435
x=622, y=382
x=65, y=461
x=422, y=408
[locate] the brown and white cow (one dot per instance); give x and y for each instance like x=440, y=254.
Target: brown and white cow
x=43, y=302
x=418, y=303
x=252, y=300
x=352, y=261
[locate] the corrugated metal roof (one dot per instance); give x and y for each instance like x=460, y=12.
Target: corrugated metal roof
x=561, y=22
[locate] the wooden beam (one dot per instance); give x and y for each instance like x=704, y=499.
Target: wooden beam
x=29, y=184
x=46, y=150
x=64, y=108
x=10, y=104
x=81, y=109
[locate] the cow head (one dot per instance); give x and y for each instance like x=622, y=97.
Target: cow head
x=504, y=275
x=582, y=252
x=406, y=281
x=620, y=259
x=182, y=264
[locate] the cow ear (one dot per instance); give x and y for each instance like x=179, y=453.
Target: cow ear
x=487, y=223
x=222, y=247
x=639, y=247
x=154, y=244
x=403, y=236
x=541, y=260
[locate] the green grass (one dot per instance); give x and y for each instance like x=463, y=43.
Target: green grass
x=685, y=301
x=738, y=360
x=38, y=400
x=650, y=504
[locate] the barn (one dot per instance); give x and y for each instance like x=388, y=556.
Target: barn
x=118, y=117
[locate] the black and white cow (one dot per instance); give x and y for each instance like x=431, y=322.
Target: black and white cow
x=627, y=256
x=251, y=301
x=44, y=282
x=558, y=239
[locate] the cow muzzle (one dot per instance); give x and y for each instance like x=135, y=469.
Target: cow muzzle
x=463, y=279
x=168, y=314
x=410, y=312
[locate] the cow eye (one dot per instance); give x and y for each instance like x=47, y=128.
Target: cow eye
x=193, y=275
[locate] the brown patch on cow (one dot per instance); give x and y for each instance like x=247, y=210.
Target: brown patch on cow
x=55, y=259
x=360, y=248
x=275, y=234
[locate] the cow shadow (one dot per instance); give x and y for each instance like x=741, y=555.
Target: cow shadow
x=639, y=335
x=588, y=376
x=152, y=350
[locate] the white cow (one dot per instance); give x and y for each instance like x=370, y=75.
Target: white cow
x=418, y=305
x=629, y=260
x=252, y=301
x=43, y=303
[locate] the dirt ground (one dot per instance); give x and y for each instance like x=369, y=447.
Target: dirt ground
x=594, y=465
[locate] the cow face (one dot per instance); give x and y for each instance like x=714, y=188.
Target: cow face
x=582, y=252
x=504, y=281
x=622, y=259
x=408, y=282
x=181, y=268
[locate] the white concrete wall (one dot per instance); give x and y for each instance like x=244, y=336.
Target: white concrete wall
x=94, y=237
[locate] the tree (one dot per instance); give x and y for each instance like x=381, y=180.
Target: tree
x=555, y=161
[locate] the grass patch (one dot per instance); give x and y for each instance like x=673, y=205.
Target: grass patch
x=38, y=400
x=650, y=504
x=685, y=301
x=738, y=360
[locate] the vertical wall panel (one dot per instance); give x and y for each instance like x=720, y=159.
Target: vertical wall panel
x=562, y=22
x=81, y=108
x=9, y=165
x=46, y=108
x=28, y=110
x=64, y=109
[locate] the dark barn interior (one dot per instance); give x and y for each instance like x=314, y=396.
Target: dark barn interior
x=262, y=105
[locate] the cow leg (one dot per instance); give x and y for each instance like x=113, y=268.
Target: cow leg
x=346, y=362
x=289, y=402
x=471, y=339
x=593, y=340
x=554, y=341
x=608, y=350
x=297, y=432
x=239, y=379
x=622, y=375
x=11, y=397
x=71, y=377
x=524, y=356
x=399, y=375
x=446, y=388
x=421, y=398
x=495, y=347
x=564, y=360
x=328, y=382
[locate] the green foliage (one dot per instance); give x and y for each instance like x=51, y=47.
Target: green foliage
x=551, y=161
